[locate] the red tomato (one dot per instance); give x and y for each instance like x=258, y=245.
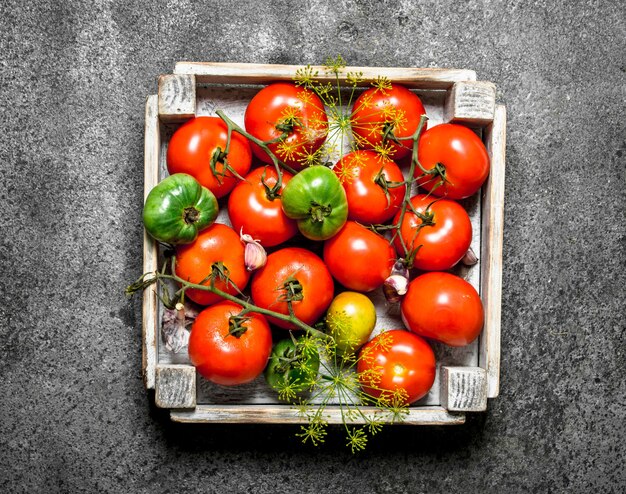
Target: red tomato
x=397, y=360
x=250, y=208
x=358, y=258
x=193, y=145
x=460, y=152
x=284, y=109
x=443, y=307
x=224, y=354
x=362, y=174
x=195, y=261
x=440, y=245
x=376, y=110
x=293, y=264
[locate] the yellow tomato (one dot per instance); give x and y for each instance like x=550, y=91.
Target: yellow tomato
x=350, y=319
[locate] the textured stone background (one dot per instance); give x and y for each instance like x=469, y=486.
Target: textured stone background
x=74, y=414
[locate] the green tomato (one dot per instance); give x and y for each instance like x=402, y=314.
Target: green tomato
x=292, y=367
x=316, y=199
x=350, y=320
x=178, y=208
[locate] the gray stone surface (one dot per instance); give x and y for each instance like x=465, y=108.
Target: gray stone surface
x=74, y=414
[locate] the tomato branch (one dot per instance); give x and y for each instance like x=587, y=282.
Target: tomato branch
x=407, y=194
x=151, y=278
x=263, y=145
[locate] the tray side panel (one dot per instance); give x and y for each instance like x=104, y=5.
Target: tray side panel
x=273, y=414
x=492, y=235
x=244, y=73
x=150, y=250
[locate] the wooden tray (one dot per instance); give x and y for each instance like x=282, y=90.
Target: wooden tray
x=466, y=377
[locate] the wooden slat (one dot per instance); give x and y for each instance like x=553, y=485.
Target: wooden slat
x=492, y=233
x=244, y=73
x=177, y=97
x=150, y=249
x=464, y=389
x=175, y=386
x=472, y=103
x=284, y=414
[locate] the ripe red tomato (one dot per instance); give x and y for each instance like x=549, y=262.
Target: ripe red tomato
x=363, y=175
x=460, y=152
x=193, y=145
x=250, y=208
x=358, y=258
x=397, y=360
x=224, y=353
x=284, y=109
x=313, y=285
x=443, y=307
x=194, y=262
x=440, y=245
x=379, y=110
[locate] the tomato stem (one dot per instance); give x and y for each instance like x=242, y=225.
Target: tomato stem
x=436, y=172
x=381, y=180
x=221, y=156
x=158, y=276
x=271, y=193
x=278, y=165
x=388, y=132
x=407, y=194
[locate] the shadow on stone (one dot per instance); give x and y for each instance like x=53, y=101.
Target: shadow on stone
x=261, y=439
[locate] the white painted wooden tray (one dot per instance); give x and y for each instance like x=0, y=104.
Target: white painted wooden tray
x=466, y=377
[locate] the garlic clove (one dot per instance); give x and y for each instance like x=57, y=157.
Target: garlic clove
x=173, y=329
x=394, y=287
x=255, y=256
x=400, y=268
x=470, y=258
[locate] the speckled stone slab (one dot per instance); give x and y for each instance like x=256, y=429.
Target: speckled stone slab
x=75, y=416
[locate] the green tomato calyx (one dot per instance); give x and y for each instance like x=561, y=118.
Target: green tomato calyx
x=381, y=180
x=272, y=193
x=221, y=156
x=236, y=326
x=293, y=366
x=287, y=360
x=387, y=132
x=318, y=211
x=191, y=215
x=437, y=174
x=291, y=291
x=288, y=125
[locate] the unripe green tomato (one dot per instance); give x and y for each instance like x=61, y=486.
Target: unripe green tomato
x=350, y=320
x=178, y=208
x=293, y=365
x=316, y=199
